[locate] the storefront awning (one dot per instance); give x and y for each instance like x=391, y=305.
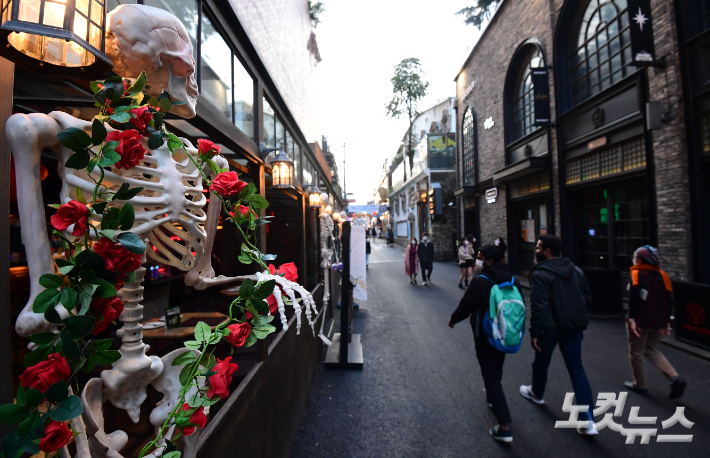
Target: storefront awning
x=521, y=168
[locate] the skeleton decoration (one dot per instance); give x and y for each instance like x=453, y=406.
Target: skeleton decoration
x=139, y=38
x=326, y=247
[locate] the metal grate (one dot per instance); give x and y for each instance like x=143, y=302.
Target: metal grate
x=705, y=135
x=634, y=154
x=611, y=161
x=531, y=184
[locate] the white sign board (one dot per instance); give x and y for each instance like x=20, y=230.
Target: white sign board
x=357, y=262
x=491, y=195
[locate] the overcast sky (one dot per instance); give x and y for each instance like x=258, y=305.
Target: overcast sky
x=360, y=43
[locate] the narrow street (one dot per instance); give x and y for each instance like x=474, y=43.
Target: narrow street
x=421, y=394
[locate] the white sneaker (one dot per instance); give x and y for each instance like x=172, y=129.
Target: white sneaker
x=527, y=392
x=424, y=283
x=590, y=430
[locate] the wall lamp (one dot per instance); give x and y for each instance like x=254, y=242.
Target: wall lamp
x=281, y=167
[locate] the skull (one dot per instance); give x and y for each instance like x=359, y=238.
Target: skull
x=143, y=38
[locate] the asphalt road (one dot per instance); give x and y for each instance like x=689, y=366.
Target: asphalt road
x=420, y=393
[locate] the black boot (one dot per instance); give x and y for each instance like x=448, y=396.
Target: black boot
x=461, y=286
x=466, y=282
x=677, y=387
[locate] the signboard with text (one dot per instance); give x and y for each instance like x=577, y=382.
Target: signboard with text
x=541, y=94
x=692, y=313
x=643, y=51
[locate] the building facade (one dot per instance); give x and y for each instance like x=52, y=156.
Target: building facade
x=413, y=205
x=615, y=162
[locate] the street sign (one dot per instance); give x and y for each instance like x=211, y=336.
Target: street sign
x=491, y=195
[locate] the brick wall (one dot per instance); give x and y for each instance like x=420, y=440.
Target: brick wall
x=279, y=30
x=443, y=236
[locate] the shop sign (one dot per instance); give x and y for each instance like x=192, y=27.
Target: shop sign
x=491, y=195
x=692, y=306
x=643, y=51
x=488, y=123
x=541, y=93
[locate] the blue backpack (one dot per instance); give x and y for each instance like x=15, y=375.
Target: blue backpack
x=504, y=322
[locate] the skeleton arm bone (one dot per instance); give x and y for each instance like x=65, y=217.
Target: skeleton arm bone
x=28, y=135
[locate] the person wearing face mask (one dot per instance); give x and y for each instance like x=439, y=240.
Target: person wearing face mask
x=465, y=262
x=650, y=304
x=426, y=257
x=559, y=298
x=475, y=303
x=411, y=267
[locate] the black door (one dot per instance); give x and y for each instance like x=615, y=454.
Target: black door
x=529, y=219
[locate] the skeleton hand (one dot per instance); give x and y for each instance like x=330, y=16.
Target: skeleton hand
x=290, y=289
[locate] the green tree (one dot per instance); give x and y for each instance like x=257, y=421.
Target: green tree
x=478, y=13
x=315, y=8
x=408, y=87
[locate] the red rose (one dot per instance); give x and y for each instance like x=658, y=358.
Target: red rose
x=143, y=117
x=109, y=308
x=290, y=273
x=117, y=258
x=56, y=436
x=45, y=373
x=227, y=184
x=129, y=147
x=219, y=382
x=207, y=149
x=238, y=334
x=198, y=419
x=73, y=212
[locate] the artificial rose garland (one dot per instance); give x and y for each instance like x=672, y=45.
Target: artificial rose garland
x=198, y=419
x=143, y=117
x=238, y=334
x=219, y=382
x=227, y=184
x=45, y=373
x=73, y=212
x=117, y=258
x=206, y=149
x=109, y=310
x=129, y=147
x=56, y=436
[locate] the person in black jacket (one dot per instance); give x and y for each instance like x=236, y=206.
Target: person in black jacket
x=474, y=304
x=559, y=298
x=425, y=252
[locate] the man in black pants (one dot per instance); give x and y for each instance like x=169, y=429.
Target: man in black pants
x=425, y=253
x=475, y=303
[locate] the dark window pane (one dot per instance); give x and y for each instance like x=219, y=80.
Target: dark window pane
x=216, y=75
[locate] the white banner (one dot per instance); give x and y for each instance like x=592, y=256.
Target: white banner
x=357, y=262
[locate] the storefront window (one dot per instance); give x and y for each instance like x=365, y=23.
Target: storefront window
x=602, y=51
x=468, y=131
x=279, y=131
x=185, y=10
x=243, y=99
x=269, y=138
x=523, y=103
x=297, y=162
x=307, y=172
x=216, y=69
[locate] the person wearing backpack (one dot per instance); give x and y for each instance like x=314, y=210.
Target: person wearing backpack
x=492, y=291
x=559, y=297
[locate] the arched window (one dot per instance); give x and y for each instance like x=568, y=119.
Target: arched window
x=468, y=132
x=523, y=99
x=599, y=50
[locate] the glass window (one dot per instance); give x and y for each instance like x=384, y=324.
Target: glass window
x=469, y=176
x=243, y=99
x=523, y=98
x=185, y=10
x=279, y=131
x=269, y=118
x=307, y=172
x=297, y=162
x=216, y=69
x=601, y=51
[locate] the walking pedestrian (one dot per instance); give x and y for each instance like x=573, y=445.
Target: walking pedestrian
x=649, y=318
x=426, y=258
x=411, y=267
x=473, y=251
x=368, y=249
x=465, y=262
x=475, y=303
x=559, y=298
x=500, y=243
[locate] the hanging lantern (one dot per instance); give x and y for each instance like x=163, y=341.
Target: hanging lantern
x=328, y=209
x=314, y=197
x=282, y=171
x=336, y=216
x=57, y=37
